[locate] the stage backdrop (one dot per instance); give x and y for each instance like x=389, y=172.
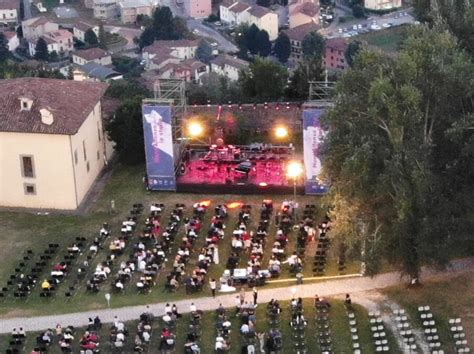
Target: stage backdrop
x=313, y=136
x=159, y=147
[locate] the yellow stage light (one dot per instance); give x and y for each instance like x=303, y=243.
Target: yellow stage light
x=195, y=129
x=281, y=132
x=294, y=169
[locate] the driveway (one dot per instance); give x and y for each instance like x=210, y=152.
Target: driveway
x=128, y=33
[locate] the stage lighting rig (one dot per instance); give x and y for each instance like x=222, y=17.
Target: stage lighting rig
x=281, y=132
x=195, y=129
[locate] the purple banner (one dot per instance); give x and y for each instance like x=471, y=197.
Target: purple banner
x=158, y=136
x=313, y=136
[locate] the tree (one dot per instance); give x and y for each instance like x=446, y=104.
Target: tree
x=126, y=130
x=397, y=193
x=126, y=89
x=41, y=50
x=91, y=38
x=352, y=50
x=264, y=3
x=22, y=11
x=307, y=70
x=180, y=28
x=214, y=88
x=282, y=47
x=102, y=37
x=204, y=52
x=358, y=11
x=254, y=81
x=313, y=45
x=4, y=52
x=263, y=44
x=146, y=38
x=163, y=23
x=250, y=40
x=19, y=32
x=241, y=40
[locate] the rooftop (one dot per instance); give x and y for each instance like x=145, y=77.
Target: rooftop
x=9, y=4
x=91, y=53
x=134, y=3
x=239, y=7
x=259, y=11
x=70, y=103
x=309, y=9
x=98, y=71
x=83, y=26
x=337, y=44
x=298, y=33
x=225, y=59
x=36, y=21
x=160, y=47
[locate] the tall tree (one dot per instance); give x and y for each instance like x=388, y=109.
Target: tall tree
x=358, y=11
x=147, y=37
x=251, y=39
x=102, y=37
x=163, y=23
x=386, y=152
x=204, y=52
x=126, y=130
x=307, y=70
x=41, y=50
x=263, y=44
x=282, y=47
x=313, y=45
x=254, y=80
x=265, y=3
x=352, y=50
x=4, y=52
x=91, y=38
x=180, y=28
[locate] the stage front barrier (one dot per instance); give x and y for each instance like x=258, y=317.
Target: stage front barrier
x=159, y=147
x=313, y=136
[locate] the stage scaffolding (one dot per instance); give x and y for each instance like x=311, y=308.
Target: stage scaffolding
x=172, y=92
x=320, y=94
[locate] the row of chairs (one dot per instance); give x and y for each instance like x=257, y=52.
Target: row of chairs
x=354, y=330
x=379, y=335
x=459, y=337
x=429, y=329
x=405, y=330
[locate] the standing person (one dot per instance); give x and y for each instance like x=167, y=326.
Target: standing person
x=242, y=296
x=255, y=295
x=212, y=285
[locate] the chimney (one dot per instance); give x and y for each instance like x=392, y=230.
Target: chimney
x=25, y=103
x=46, y=116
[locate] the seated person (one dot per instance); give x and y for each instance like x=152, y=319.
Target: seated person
x=46, y=285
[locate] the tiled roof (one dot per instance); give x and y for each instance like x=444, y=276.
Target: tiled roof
x=309, y=9
x=239, y=7
x=83, y=26
x=70, y=103
x=298, y=33
x=91, y=53
x=9, y=4
x=224, y=59
x=9, y=34
x=259, y=11
x=36, y=21
x=160, y=47
x=337, y=44
x=97, y=71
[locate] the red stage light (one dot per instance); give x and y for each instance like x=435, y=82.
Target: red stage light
x=234, y=205
x=206, y=203
x=263, y=184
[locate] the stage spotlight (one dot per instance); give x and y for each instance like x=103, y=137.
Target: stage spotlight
x=195, y=129
x=294, y=169
x=281, y=132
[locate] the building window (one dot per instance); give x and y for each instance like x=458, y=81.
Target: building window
x=76, y=159
x=98, y=131
x=84, y=149
x=27, y=166
x=88, y=167
x=30, y=189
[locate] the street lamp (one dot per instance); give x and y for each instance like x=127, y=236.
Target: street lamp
x=294, y=170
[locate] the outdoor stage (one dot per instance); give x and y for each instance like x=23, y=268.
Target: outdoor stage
x=253, y=169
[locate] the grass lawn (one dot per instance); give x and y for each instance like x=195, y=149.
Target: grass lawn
x=20, y=231
x=338, y=325
x=388, y=39
x=447, y=299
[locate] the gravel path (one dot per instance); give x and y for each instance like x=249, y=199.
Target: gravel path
x=326, y=288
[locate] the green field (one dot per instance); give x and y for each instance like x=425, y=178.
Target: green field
x=20, y=231
x=338, y=326
x=388, y=40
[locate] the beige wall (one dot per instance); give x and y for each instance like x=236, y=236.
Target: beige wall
x=88, y=133
x=382, y=4
x=58, y=178
x=54, y=180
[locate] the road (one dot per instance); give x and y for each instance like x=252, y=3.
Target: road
x=128, y=33
x=224, y=44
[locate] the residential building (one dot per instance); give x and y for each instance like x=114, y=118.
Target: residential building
x=37, y=27
x=9, y=10
x=95, y=55
x=13, y=40
x=197, y=8
x=335, y=54
x=228, y=66
x=296, y=36
x=182, y=49
x=302, y=12
x=80, y=28
x=382, y=4
x=93, y=71
x=235, y=13
x=60, y=41
x=106, y=9
x=190, y=70
x=130, y=9
x=52, y=142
